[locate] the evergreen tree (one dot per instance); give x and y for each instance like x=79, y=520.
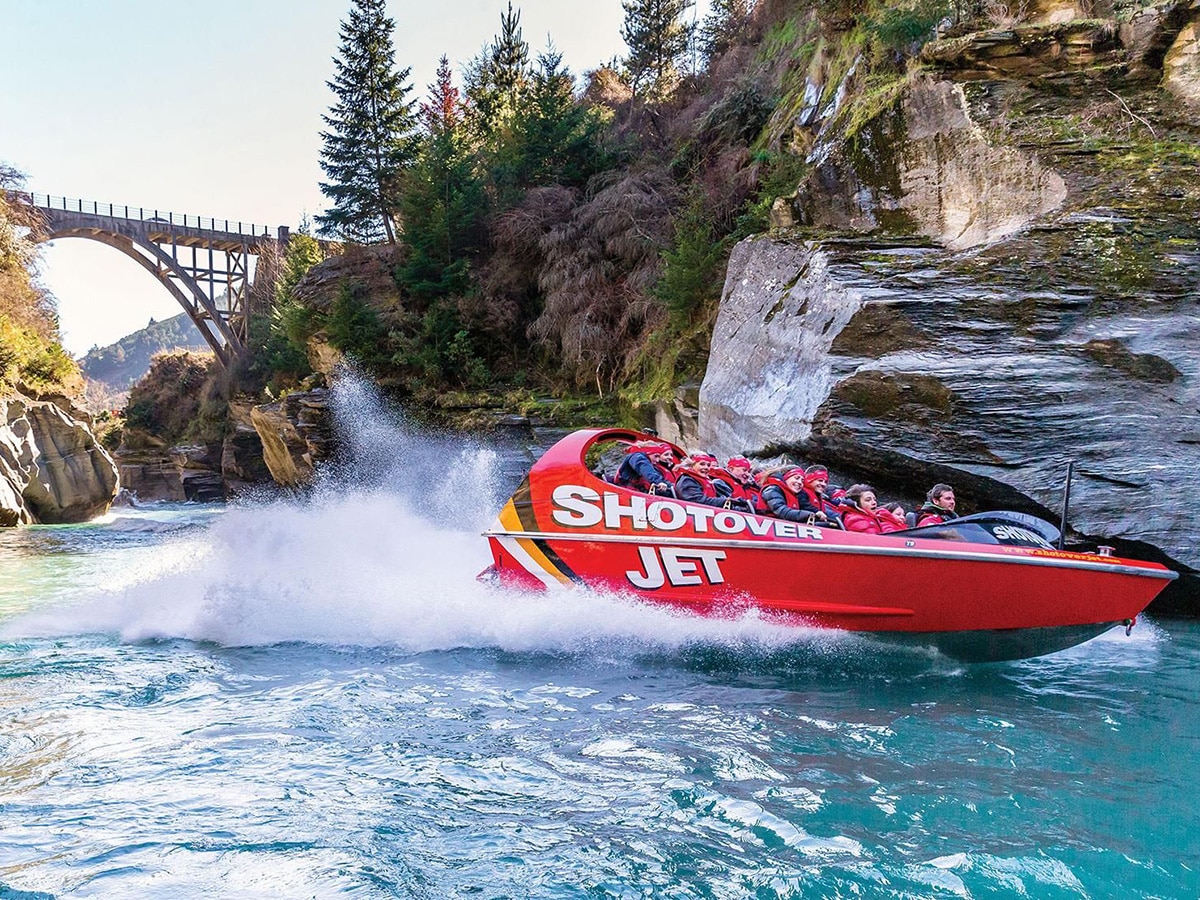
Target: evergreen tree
x=443, y=202
x=510, y=55
x=371, y=136
x=554, y=140
x=496, y=79
x=658, y=38
x=726, y=24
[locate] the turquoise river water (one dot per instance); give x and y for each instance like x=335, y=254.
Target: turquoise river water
x=312, y=698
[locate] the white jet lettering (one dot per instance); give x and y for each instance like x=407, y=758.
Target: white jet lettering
x=728, y=522
x=582, y=507
x=677, y=566
x=614, y=511
x=659, y=519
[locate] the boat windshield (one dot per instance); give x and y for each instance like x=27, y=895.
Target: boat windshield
x=1007, y=528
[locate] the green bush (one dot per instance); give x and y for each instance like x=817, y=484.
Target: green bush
x=693, y=268
x=905, y=27
x=354, y=328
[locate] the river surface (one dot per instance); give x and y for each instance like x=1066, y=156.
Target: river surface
x=313, y=697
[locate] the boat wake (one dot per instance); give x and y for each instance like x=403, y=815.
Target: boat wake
x=383, y=553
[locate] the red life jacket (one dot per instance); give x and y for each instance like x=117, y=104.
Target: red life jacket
x=821, y=502
x=889, y=521
x=791, y=499
x=737, y=490
x=858, y=519
x=706, y=484
x=932, y=514
x=668, y=473
x=753, y=494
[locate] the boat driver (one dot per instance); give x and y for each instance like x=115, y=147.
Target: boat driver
x=939, y=506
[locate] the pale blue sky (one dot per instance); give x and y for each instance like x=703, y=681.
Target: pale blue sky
x=209, y=109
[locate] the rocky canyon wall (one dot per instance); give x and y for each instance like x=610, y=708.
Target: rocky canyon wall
x=1002, y=276
x=52, y=469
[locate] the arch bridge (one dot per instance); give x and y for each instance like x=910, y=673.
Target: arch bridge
x=204, y=263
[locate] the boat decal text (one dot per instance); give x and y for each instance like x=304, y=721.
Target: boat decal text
x=679, y=566
x=1015, y=533
x=582, y=507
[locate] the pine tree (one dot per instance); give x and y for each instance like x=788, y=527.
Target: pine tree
x=726, y=24
x=443, y=203
x=510, y=54
x=371, y=136
x=658, y=38
x=496, y=79
x=554, y=139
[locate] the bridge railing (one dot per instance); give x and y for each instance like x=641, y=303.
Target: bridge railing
x=149, y=216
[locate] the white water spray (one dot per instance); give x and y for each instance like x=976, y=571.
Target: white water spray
x=383, y=553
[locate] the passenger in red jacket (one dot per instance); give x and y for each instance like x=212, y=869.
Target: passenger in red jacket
x=861, y=515
x=816, y=480
x=785, y=498
x=666, y=464
x=891, y=518
x=694, y=483
x=639, y=470
x=736, y=480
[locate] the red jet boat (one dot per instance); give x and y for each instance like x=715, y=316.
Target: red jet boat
x=987, y=587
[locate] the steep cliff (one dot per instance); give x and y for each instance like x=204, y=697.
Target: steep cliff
x=997, y=274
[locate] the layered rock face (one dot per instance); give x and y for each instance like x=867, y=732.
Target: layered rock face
x=296, y=433
x=904, y=365
x=1019, y=296
x=276, y=443
x=52, y=470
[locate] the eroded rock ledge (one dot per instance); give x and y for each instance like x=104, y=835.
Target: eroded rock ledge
x=52, y=469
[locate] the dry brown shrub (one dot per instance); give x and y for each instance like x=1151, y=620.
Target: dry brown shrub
x=507, y=295
x=598, y=272
x=518, y=232
x=728, y=181
x=606, y=87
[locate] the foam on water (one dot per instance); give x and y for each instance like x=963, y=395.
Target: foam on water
x=384, y=552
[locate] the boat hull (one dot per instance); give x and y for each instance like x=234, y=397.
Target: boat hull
x=976, y=601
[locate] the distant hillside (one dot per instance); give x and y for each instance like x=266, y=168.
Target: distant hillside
x=111, y=371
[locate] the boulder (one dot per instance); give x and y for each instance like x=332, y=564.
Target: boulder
x=284, y=452
x=295, y=432
x=1181, y=65
x=148, y=475
x=52, y=469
